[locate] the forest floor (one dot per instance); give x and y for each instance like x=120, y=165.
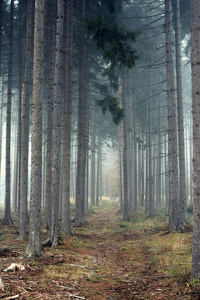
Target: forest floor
x=105, y=259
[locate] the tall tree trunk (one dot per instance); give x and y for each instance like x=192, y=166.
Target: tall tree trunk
x=56, y=139
x=159, y=160
x=172, y=132
x=166, y=170
x=15, y=173
x=2, y=88
x=44, y=154
x=16, y=177
x=139, y=176
x=190, y=170
x=87, y=184
x=131, y=170
x=34, y=247
x=86, y=85
x=182, y=179
x=147, y=175
x=87, y=168
x=100, y=173
x=120, y=167
x=195, y=44
x=151, y=200
x=25, y=129
x=7, y=220
x=1, y=131
x=81, y=154
x=186, y=130
x=93, y=150
x=125, y=152
x=98, y=170
x=135, y=167
x=51, y=72
x=153, y=173
x=18, y=165
x=66, y=228
x=72, y=167
x=142, y=173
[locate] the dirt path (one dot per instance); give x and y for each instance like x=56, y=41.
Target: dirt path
x=127, y=269
x=104, y=260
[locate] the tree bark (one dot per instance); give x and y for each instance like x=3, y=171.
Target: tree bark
x=93, y=152
x=150, y=145
x=139, y=175
x=142, y=172
x=125, y=151
x=131, y=169
x=195, y=51
x=25, y=129
x=34, y=247
x=135, y=167
x=16, y=177
x=56, y=139
x=81, y=154
x=159, y=160
x=66, y=228
x=2, y=87
x=172, y=131
x=120, y=167
x=181, y=142
x=100, y=173
x=1, y=129
x=15, y=171
x=7, y=220
x=98, y=170
x=147, y=174
x=190, y=170
x=51, y=73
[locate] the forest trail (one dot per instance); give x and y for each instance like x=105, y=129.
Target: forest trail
x=106, y=259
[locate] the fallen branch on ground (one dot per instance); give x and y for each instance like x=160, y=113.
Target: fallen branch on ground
x=75, y=296
x=12, y=297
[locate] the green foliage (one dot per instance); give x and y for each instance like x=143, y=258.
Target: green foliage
x=95, y=278
x=120, y=55
x=113, y=79
x=91, y=210
x=111, y=104
x=112, y=40
x=190, y=209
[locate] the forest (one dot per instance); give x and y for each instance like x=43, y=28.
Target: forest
x=99, y=149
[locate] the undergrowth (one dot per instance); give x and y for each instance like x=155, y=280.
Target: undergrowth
x=107, y=250
x=170, y=252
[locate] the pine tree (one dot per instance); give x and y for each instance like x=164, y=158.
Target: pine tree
x=195, y=51
x=25, y=129
x=172, y=132
x=66, y=227
x=34, y=247
x=7, y=215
